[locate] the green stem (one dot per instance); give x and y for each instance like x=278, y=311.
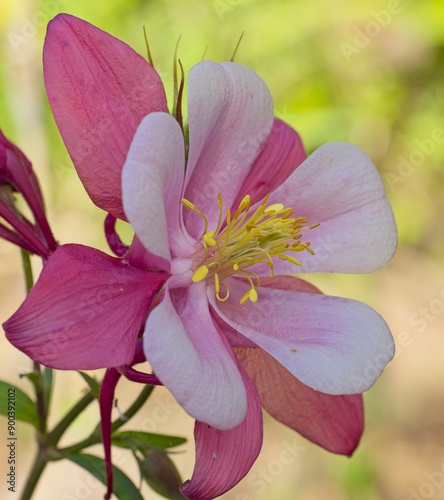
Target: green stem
x=135, y=407
x=94, y=438
x=48, y=442
x=60, y=428
x=96, y=435
x=40, y=460
x=27, y=268
x=34, y=476
x=40, y=399
x=39, y=385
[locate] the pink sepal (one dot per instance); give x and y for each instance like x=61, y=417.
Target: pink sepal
x=99, y=90
x=84, y=312
x=333, y=422
x=223, y=458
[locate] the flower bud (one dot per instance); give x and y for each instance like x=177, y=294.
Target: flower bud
x=161, y=474
x=17, y=176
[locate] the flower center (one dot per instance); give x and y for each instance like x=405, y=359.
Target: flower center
x=246, y=240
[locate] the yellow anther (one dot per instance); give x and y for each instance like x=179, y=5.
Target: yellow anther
x=245, y=297
x=188, y=204
x=272, y=209
x=297, y=247
x=219, y=222
x=208, y=239
x=200, y=274
x=251, y=294
x=228, y=217
x=290, y=259
x=216, y=283
x=314, y=225
x=245, y=203
x=235, y=266
x=307, y=247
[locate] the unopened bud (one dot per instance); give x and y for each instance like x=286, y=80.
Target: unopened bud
x=160, y=473
x=17, y=176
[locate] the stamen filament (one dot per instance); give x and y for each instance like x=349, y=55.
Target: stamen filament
x=246, y=240
x=289, y=259
x=188, y=204
x=226, y=296
x=219, y=222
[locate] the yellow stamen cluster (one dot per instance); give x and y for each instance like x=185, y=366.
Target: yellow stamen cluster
x=243, y=242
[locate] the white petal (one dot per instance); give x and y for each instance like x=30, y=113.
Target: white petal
x=152, y=179
x=230, y=115
x=339, y=187
x=332, y=344
x=192, y=360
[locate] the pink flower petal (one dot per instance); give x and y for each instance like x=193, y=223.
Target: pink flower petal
x=333, y=422
x=230, y=116
x=282, y=154
x=99, y=90
x=84, y=312
x=339, y=187
x=152, y=181
x=189, y=357
x=281, y=282
x=334, y=345
x=223, y=458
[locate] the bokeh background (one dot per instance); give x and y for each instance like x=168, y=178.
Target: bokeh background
x=368, y=72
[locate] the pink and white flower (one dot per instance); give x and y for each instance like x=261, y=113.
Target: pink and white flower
x=216, y=259
x=221, y=222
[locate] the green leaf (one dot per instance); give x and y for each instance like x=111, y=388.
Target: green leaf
x=161, y=474
x=92, y=383
x=135, y=440
x=124, y=488
x=33, y=377
x=23, y=407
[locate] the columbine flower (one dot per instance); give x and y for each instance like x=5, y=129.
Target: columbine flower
x=227, y=286
x=218, y=258
x=17, y=176
x=231, y=329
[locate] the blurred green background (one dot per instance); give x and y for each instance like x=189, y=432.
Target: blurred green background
x=368, y=72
